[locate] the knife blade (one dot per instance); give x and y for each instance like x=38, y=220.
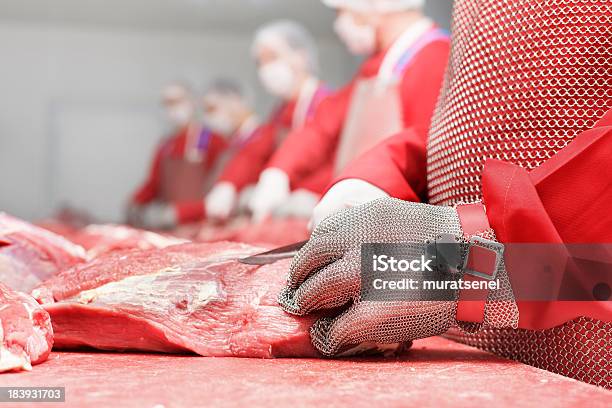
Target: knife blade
x=268, y=257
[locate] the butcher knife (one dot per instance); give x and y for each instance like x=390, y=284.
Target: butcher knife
x=268, y=257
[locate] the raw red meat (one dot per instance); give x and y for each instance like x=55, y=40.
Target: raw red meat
x=29, y=254
x=216, y=232
x=100, y=239
x=26, y=336
x=191, y=297
x=271, y=232
x=275, y=232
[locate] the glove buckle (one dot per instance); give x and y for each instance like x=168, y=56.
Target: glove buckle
x=478, y=260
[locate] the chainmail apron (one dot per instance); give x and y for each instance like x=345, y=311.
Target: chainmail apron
x=524, y=78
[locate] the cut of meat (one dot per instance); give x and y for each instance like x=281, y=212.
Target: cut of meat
x=215, y=232
x=26, y=336
x=118, y=265
x=100, y=239
x=185, y=298
x=273, y=232
x=29, y=254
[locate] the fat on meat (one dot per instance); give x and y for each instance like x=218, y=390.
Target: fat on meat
x=26, y=335
x=184, y=298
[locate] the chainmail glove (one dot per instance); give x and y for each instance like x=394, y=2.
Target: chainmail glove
x=325, y=274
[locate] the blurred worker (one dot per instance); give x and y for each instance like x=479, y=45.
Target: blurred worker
x=518, y=152
x=181, y=171
x=287, y=61
x=397, y=87
x=227, y=111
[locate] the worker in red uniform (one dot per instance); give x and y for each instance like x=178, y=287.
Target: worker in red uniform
x=181, y=171
x=518, y=152
x=396, y=87
x=287, y=60
x=228, y=112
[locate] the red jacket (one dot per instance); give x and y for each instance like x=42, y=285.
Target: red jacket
x=314, y=146
x=176, y=146
x=251, y=160
x=565, y=200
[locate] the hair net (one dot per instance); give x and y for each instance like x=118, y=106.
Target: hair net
x=230, y=88
x=283, y=34
x=377, y=6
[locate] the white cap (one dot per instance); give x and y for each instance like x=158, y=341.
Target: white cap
x=287, y=35
x=376, y=6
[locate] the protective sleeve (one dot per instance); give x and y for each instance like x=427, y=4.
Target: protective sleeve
x=150, y=188
x=307, y=149
x=397, y=165
x=565, y=200
x=246, y=165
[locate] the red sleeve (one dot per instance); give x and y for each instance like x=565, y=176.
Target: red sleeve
x=217, y=146
x=246, y=165
x=397, y=165
x=149, y=189
x=190, y=211
x=306, y=149
x=565, y=200
x=421, y=85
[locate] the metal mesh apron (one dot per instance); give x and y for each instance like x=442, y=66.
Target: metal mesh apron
x=524, y=78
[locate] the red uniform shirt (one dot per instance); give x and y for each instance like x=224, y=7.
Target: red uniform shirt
x=314, y=146
x=250, y=161
x=178, y=146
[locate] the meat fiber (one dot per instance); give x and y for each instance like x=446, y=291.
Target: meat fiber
x=272, y=232
x=26, y=336
x=185, y=298
x=101, y=239
x=29, y=254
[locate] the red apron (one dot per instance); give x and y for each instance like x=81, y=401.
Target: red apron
x=185, y=178
x=375, y=110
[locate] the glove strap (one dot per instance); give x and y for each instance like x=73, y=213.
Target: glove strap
x=481, y=262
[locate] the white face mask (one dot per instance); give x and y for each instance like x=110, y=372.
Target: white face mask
x=278, y=78
x=220, y=123
x=180, y=114
x=359, y=39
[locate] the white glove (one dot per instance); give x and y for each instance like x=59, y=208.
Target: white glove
x=345, y=194
x=159, y=216
x=221, y=200
x=271, y=191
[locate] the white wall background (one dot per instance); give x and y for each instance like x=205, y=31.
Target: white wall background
x=79, y=113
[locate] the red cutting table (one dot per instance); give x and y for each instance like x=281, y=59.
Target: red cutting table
x=436, y=372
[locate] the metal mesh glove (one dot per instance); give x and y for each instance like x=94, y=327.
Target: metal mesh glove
x=325, y=274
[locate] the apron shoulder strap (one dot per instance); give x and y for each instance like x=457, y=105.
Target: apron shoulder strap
x=431, y=36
